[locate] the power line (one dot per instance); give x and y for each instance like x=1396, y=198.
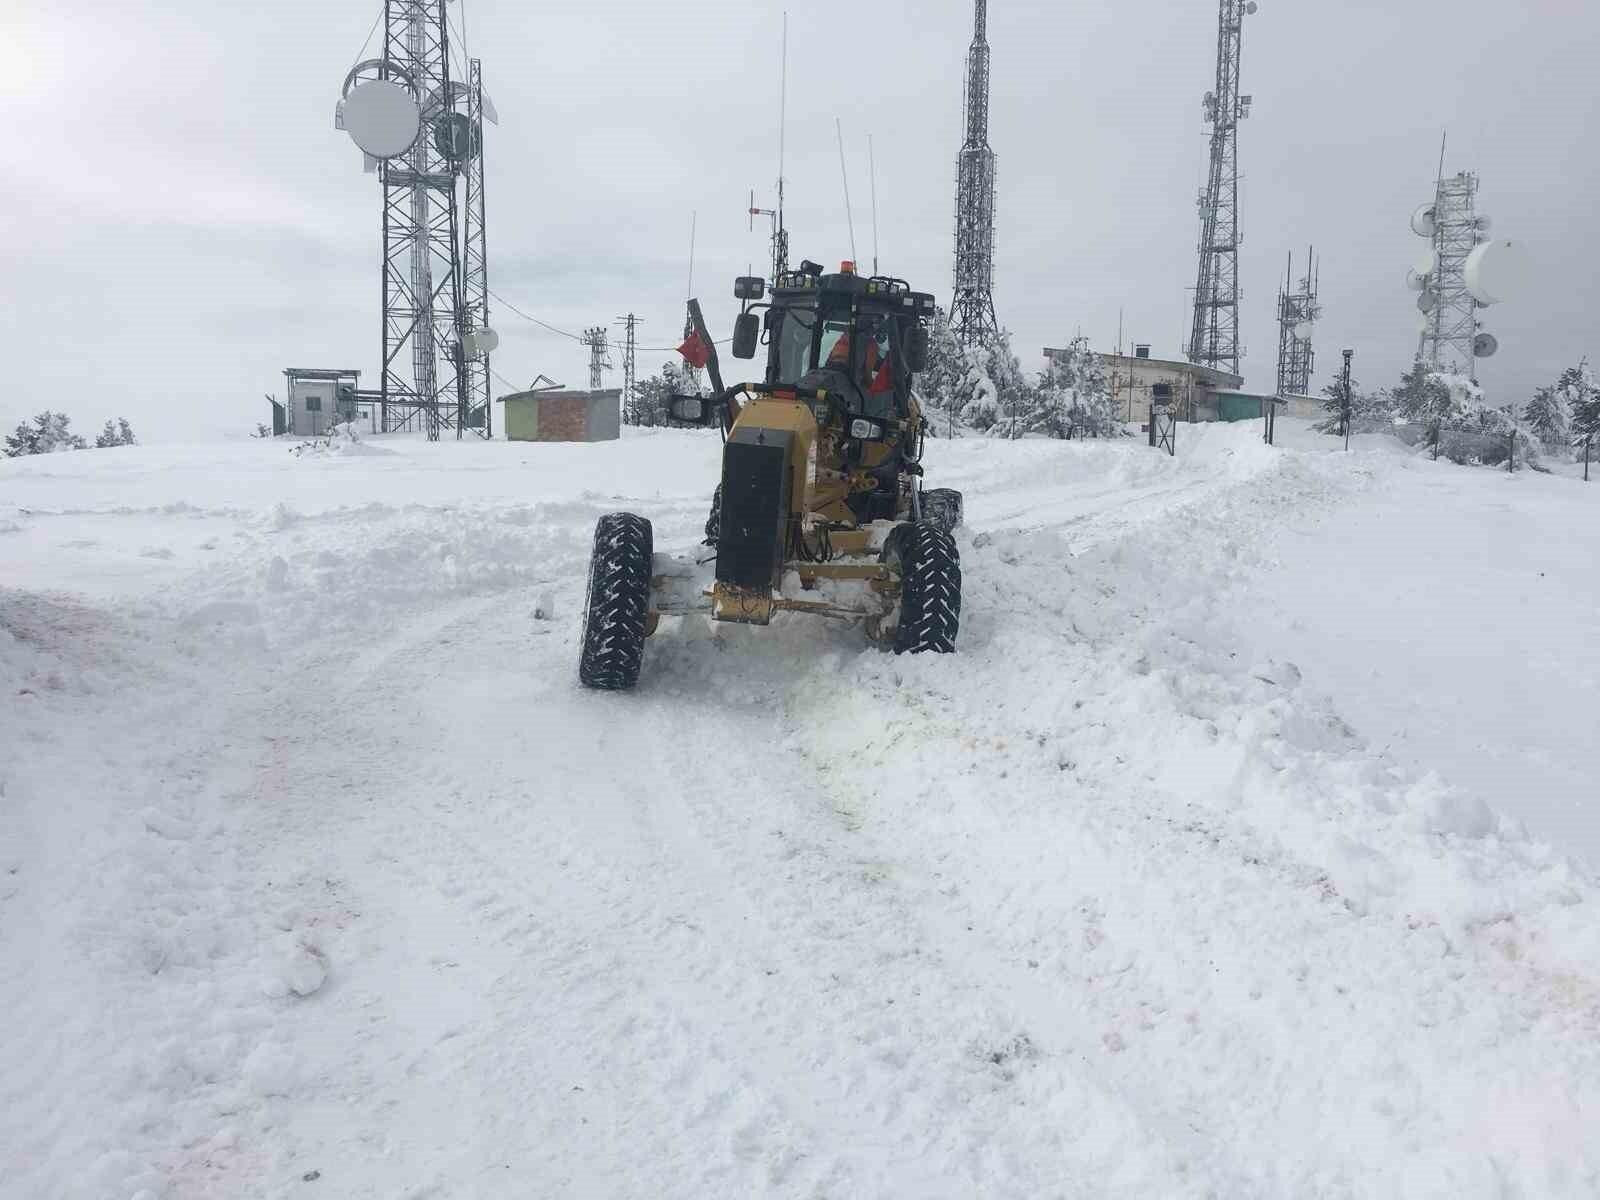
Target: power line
x=535, y=320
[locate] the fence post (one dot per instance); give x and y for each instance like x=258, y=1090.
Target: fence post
x=1511, y=459
x=1586, y=444
x=1436, y=431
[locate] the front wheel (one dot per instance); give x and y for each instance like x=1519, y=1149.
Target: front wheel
x=930, y=587
x=617, y=610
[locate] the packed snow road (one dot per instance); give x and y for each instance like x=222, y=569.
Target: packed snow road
x=322, y=876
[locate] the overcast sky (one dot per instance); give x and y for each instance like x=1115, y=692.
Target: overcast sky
x=181, y=220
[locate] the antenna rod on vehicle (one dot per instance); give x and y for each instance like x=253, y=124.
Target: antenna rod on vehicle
x=845, y=175
x=783, y=122
x=694, y=218
x=872, y=177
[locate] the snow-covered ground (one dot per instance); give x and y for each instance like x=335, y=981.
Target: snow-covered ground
x=1245, y=849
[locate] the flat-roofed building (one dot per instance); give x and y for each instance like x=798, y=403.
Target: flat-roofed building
x=1131, y=378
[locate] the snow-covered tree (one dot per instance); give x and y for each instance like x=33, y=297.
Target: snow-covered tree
x=1423, y=396
x=1072, y=395
x=1548, y=418
x=1015, y=397
x=45, y=434
x=976, y=399
x=1578, y=390
x=1368, y=410
x=119, y=433
x=938, y=382
x=648, y=405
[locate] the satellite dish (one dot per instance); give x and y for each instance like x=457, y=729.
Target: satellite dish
x=1484, y=345
x=1496, y=270
x=455, y=137
x=382, y=118
x=1415, y=281
x=480, y=342
x=1424, y=322
x=1303, y=330
x=1422, y=221
x=1427, y=302
x=1250, y=8
x=1426, y=262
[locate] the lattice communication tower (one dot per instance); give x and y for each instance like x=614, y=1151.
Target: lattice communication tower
x=1447, y=309
x=972, y=315
x=421, y=129
x=1214, y=336
x=1298, y=311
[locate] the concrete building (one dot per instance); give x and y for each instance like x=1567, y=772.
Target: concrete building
x=1198, y=393
x=1308, y=407
x=1130, y=378
x=316, y=399
x=552, y=415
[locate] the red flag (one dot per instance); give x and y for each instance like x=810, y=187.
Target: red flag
x=695, y=352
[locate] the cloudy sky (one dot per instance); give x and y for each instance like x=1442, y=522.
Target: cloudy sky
x=181, y=220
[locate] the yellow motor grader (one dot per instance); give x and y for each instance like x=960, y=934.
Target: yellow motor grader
x=820, y=508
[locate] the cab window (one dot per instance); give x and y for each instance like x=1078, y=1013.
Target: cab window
x=794, y=343
x=834, y=351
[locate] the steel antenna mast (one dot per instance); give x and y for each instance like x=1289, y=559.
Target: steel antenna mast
x=1214, y=335
x=972, y=315
x=1298, y=311
x=780, y=232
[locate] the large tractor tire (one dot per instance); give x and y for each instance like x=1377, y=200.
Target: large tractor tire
x=714, y=521
x=942, y=506
x=930, y=587
x=618, y=605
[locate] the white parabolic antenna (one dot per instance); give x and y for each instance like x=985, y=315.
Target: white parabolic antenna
x=1303, y=330
x=1422, y=221
x=1484, y=345
x=1427, y=302
x=1424, y=322
x=382, y=118
x=1415, y=281
x=480, y=342
x=1496, y=270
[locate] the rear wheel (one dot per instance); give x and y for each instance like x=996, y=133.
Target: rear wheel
x=942, y=506
x=618, y=606
x=930, y=587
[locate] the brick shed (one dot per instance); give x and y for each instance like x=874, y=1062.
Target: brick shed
x=563, y=416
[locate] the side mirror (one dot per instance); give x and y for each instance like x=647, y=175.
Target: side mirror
x=917, y=349
x=691, y=410
x=746, y=332
x=749, y=287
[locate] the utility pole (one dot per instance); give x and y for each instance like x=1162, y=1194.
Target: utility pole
x=1344, y=398
x=629, y=324
x=598, y=344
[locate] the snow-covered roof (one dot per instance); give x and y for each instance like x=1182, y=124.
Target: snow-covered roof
x=1206, y=376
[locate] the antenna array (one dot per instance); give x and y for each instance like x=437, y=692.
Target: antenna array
x=1298, y=311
